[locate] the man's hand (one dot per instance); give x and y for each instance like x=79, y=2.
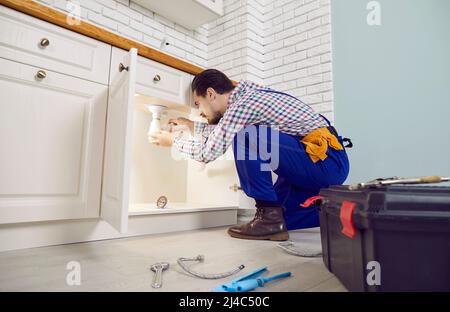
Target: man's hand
x=163, y=138
x=181, y=121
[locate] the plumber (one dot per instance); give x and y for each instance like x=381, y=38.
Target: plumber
x=270, y=131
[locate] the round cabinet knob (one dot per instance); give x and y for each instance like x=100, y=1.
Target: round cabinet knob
x=44, y=43
x=157, y=78
x=40, y=75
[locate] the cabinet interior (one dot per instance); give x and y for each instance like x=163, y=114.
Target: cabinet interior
x=159, y=171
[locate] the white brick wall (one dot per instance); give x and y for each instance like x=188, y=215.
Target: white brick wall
x=305, y=53
x=236, y=40
x=137, y=23
x=285, y=44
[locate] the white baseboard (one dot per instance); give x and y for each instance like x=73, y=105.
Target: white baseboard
x=39, y=234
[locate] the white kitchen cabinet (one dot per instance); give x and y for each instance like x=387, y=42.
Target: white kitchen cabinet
x=188, y=13
x=28, y=40
x=62, y=178
x=51, y=143
x=137, y=173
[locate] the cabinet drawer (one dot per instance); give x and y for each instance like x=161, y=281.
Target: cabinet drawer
x=31, y=41
x=51, y=141
x=157, y=80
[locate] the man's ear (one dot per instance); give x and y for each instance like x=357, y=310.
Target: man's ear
x=211, y=93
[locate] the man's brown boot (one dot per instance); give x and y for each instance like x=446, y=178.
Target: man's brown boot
x=268, y=224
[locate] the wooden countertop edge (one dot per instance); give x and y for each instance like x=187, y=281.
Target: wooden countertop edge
x=55, y=17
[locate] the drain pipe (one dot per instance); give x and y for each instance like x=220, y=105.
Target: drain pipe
x=200, y=258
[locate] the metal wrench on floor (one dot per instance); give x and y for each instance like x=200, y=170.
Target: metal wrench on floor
x=158, y=268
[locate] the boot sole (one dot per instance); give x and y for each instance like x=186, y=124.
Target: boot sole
x=278, y=237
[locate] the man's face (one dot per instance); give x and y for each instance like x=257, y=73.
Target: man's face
x=208, y=106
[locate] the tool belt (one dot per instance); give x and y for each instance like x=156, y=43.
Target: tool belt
x=317, y=143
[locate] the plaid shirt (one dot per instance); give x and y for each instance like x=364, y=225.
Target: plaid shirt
x=249, y=106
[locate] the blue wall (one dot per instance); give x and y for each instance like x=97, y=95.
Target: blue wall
x=392, y=87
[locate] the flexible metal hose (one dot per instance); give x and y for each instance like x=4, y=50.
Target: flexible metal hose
x=289, y=247
x=200, y=258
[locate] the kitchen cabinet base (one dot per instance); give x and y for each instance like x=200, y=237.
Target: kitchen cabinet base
x=39, y=234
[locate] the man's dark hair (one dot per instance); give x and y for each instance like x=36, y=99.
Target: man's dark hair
x=211, y=78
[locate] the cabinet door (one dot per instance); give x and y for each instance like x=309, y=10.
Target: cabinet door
x=159, y=83
x=118, y=149
x=51, y=145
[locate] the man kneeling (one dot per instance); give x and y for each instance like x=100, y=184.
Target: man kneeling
x=270, y=131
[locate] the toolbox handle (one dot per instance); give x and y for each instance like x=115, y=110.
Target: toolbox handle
x=346, y=217
x=312, y=200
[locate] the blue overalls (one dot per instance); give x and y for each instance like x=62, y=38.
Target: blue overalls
x=298, y=177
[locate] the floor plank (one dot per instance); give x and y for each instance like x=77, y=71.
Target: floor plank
x=123, y=264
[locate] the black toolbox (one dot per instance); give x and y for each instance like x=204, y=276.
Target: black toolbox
x=392, y=238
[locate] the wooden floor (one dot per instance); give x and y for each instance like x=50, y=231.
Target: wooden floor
x=123, y=264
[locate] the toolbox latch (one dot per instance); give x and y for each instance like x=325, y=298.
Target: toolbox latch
x=348, y=228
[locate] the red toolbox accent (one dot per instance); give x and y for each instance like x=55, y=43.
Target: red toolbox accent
x=311, y=201
x=346, y=217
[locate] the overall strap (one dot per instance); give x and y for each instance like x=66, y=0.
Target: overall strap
x=332, y=129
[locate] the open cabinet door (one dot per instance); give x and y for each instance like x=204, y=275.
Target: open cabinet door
x=118, y=146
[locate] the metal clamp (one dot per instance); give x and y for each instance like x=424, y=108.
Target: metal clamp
x=40, y=75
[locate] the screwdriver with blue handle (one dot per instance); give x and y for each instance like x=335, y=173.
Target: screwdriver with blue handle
x=249, y=282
